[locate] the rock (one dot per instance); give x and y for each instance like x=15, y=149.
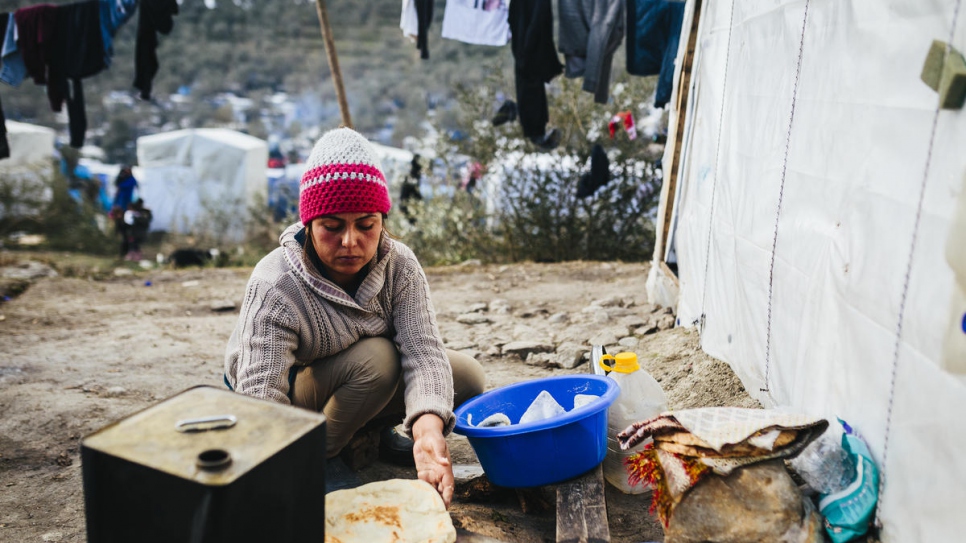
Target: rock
x=610, y=301
x=526, y=333
x=629, y=342
x=524, y=348
x=570, y=355
x=52, y=536
x=665, y=322
x=493, y=351
x=600, y=317
x=472, y=318
x=500, y=306
x=459, y=345
x=648, y=328
x=559, y=318
x=28, y=271
x=633, y=321
x=477, y=308
x=755, y=503
x=544, y=360
x=122, y=272
x=608, y=336
x=222, y=305
x=189, y=284
x=475, y=354
x=115, y=392
x=473, y=262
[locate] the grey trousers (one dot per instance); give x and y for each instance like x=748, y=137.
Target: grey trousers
x=364, y=382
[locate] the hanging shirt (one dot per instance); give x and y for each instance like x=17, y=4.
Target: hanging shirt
x=114, y=13
x=13, y=70
x=653, y=32
x=536, y=61
x=408, y=21
x=155, y=16
x=35, y=29
x=589, y=33
x=480, y=22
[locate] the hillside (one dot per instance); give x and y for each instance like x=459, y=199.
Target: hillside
x=257, y=48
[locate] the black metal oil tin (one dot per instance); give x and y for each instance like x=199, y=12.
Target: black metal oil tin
x=207, y=466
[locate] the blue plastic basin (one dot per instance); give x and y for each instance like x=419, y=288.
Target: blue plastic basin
x=546, y=451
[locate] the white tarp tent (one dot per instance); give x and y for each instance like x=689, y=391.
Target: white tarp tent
x=29, y=145
x=24, y=174
x=816, y=198
x=202, y=180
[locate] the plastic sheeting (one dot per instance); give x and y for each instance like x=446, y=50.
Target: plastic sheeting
x=203, y=181
x=854, y=158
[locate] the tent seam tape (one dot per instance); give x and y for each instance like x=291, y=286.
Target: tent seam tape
x=906, y=281
x=781, y=196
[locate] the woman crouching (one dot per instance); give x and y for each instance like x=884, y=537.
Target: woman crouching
x=339, y=318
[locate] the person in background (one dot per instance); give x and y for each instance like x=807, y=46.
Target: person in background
x=410, y=188
x=124, y=186
x=137, y=219
x=338, y=319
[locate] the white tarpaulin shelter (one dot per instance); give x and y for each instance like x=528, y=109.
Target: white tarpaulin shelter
x=29, y=145
x=202, y=180
x=815, y=205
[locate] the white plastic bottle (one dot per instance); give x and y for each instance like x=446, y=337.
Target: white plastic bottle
x=641, y=398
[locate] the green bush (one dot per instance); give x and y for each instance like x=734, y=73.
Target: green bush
x=530, y=210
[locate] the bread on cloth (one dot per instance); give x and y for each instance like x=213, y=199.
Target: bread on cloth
x=398, y=510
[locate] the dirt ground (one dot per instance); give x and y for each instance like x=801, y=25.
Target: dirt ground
x=77, y=353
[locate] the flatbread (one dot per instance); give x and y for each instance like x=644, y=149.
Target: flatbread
x=688, y=444
x=397, y=510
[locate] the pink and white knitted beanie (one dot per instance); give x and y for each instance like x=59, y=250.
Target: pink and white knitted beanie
x=342, y=176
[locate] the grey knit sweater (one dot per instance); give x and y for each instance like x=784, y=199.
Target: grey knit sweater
x=292, y=315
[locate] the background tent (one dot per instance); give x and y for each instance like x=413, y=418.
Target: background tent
x=812, y=219
x=25, y=173
x=203, y=181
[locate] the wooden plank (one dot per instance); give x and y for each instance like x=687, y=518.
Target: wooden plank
x=581, y=509
x=669, y=186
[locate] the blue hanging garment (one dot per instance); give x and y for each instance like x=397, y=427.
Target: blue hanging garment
x=653, y=31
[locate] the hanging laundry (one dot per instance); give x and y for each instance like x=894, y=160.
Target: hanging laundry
x=114, y=13
x=79, y=53
x=625, y=119
x=589, y=32
x=35, y=29
x=156, y=16
x=536, y=63
x=424, y=16
x=599, y=173
x=507, y=113
x=653, y=32
x=12, y=71
x=480, y=22
x=409, y=21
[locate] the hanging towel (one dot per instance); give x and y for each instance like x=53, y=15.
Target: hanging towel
x=653, y=32
x=12, y=71
x=590, y=31
x=480, y=22
x=536, y=62
x=409, y=21
x=114, y=13
x=155, y=16
x=424, y=16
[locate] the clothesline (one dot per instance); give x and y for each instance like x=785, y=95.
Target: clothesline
x=60, y=45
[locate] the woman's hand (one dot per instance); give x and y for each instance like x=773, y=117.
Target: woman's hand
x=431, y=453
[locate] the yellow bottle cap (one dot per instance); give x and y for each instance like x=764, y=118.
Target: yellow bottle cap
x=623, y=362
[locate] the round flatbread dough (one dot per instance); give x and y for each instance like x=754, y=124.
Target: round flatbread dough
x=399, y=510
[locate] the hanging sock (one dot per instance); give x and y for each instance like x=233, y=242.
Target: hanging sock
x=625, y=119
x=599, y=173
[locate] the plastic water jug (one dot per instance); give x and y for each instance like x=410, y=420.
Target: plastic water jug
x=641, y=398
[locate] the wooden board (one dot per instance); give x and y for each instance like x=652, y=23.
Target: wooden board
x=581, y=509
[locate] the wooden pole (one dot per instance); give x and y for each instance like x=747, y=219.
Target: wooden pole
x=333, y=62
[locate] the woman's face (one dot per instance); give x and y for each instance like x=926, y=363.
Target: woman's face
x=345, y=242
